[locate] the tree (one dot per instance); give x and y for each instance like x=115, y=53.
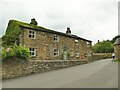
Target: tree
x=103, y=47
x=15, y=51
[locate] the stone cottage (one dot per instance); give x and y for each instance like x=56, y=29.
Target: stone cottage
x=47, y=44
x=117, y=48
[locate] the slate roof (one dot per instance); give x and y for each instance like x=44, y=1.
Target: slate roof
x=39, y=28
x=117, y=42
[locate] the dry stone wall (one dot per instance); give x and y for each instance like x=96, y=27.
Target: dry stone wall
x=17, y=68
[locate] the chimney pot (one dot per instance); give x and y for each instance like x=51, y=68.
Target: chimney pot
x=68, y=31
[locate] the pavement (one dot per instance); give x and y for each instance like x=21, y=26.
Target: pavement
x=97, y=74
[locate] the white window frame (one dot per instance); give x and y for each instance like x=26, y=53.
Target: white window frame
x=76, y=42
x=32, y=34
x=88, y=44
x=32, y=52
x=77, y=54
x=89, y=53
x=56, y=52
x=56, y=38
x=71, y=53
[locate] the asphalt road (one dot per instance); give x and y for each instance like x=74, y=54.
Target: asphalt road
x=98, y=74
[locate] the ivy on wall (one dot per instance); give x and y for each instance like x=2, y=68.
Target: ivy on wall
x=9, y=48
x=13, y=31
x=12, y=34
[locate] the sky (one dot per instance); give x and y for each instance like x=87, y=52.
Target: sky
x=90, y=19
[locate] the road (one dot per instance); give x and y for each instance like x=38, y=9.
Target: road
x=98, y=74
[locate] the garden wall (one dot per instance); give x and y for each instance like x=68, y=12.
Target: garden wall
x=17, y=68
x=99, y=56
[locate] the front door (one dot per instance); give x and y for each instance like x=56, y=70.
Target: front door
x=64, y=55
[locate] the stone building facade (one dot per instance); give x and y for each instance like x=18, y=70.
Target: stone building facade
x=117, y=48
x=46, y=44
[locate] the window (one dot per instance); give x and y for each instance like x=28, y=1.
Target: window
x=42, y=33
x=71, y=53
x=32, y=51
x=76, y=42
x=32, y=34
x=89, y=53
x=56, y=38
x=88, y=44
x=77, y=55
x=56, y=52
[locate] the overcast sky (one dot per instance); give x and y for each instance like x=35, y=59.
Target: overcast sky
x=90, y=19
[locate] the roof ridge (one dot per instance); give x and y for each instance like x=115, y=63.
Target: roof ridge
x=31, y=26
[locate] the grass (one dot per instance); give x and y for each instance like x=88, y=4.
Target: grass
x=116, y=61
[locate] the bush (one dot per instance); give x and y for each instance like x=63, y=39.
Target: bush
x=15, y=51
x=103, y=47
x=21, y=52
x=7, y=53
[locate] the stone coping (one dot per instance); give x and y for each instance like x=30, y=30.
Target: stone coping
x=56, y=60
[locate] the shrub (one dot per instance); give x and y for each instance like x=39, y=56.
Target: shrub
x=15, y=51
x=7, y=53
x=21, y=52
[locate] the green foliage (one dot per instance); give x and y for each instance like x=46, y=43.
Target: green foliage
x=116, y=60
x=21, y=52
x=7, y=53
x=12, y=34
x=14, y=30
x=103, y=47
x=15, y=51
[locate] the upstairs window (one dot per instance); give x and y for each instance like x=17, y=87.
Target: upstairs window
x=32, y=52
x=88, y=44
x=76, y=42
x=32, y=34
x=56, y=38
x=56, y=52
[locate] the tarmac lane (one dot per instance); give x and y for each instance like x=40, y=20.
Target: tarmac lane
x=97, y=74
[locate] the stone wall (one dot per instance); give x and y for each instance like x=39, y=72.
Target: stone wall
x=44, y=44
x=16, y=68
x=99, y=56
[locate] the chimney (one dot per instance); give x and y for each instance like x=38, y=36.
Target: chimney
x=33, y=21
x=68, y=31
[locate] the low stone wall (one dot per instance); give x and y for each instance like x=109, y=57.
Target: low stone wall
x=17, y=68
x=99, y=56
